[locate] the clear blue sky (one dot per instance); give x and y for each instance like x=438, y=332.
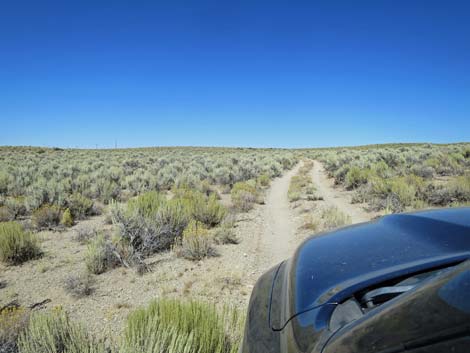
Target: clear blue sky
x=233, y=73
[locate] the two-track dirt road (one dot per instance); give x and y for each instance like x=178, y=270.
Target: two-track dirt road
x=277, y=240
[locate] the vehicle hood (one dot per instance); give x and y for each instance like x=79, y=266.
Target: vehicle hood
x=328, y=268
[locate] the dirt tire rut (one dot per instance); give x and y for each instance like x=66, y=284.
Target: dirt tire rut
x=277, y=241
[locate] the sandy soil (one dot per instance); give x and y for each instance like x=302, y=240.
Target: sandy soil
x=268, y=234
x=277, y=241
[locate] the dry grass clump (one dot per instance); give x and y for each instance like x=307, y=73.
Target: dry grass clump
x=225, y=234
x=197, y=243
x=244, y=195
x=84, y=234
x=101, y=255
x=47, y=217
x=55, y=332
x=17, y=245
x=178, y=326
x=334, y=218
x=311, y=223
x=13, y=321
x=79, y=286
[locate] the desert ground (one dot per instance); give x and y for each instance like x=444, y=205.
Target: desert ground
x=297, y=195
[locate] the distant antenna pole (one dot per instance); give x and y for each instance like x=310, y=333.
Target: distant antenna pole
x=115, y=143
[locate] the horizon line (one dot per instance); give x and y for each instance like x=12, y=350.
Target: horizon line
x=237, y=147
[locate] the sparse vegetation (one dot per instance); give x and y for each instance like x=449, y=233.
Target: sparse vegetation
x=78, y=286
x=311, y=223
x=55, y=332
x=225, y=234
x=76, y=179
x=184, y=199
x=17, y=245
x=67, y=219
x=100, y=255
x=208, y=211
x=196, y=243
x=244, y=195
x=150, y=223
x=398, y=178
x=13, y=321
x=333, y=218
x=47, y=216
x=84, y=234
x=79, y=206
x=176, y=326
x=301, y=185
x=165, y=325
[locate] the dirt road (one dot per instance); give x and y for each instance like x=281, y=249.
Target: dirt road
x=277, y=241
x=337, y=197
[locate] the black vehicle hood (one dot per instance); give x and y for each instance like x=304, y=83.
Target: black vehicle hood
x=328, y=269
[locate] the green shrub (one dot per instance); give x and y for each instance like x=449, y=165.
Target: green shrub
x=54, y=332
x=107, y=190
x=394, y=194
x=461, y=188
x=456, y=191
x=264, y=180
x=244, y=195
x=67, y=219
x=403, y=190
x=16, y=245
x=47, y=216
x=177, y=326
x=147, y=204
x=423, y=171
x=382, y=169
x=356, y=177
x=100, y=255
x=208, y=210
x=171, y=220
x=334, y=218
x=466, y=153
x=79, y=206
x=196, y=243
x=202, y=208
